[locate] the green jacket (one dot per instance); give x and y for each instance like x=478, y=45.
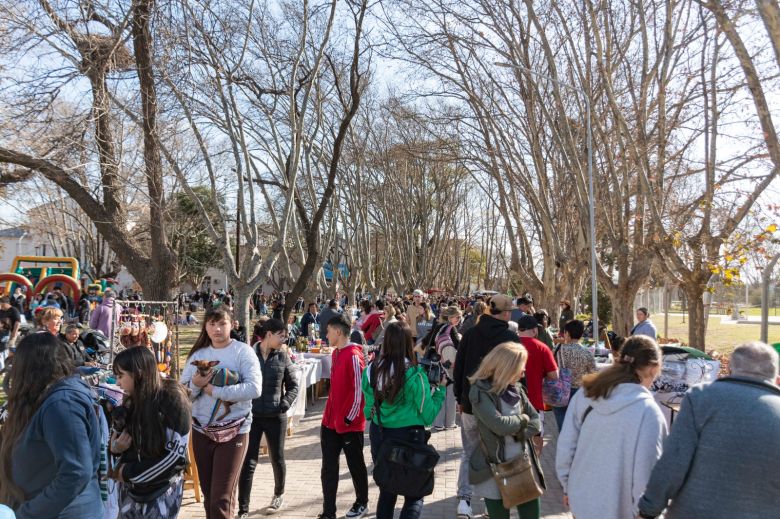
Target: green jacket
x=414, y=405
x=545, y=337
x=493, y=427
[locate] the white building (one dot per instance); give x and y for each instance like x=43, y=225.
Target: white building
x=17, y=241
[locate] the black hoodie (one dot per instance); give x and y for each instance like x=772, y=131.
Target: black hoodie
x=477, y=342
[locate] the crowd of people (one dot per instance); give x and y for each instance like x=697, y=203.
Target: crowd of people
x=403, y=368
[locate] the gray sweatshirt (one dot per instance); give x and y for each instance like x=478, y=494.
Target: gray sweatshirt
x=236, y=356
x=722, y=457
x=604, y=462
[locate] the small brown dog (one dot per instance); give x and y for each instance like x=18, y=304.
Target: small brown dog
x=222, y=377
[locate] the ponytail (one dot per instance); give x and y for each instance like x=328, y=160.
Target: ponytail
x=637, y=353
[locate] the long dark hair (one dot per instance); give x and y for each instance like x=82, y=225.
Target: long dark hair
x=213, y=315
x=637, y=352
x=145, y=423
x=38, y=364
x=397, y=350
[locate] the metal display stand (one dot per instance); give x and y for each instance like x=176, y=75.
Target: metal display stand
x=168, y=310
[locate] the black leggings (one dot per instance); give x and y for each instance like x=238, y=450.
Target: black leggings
x=274, y=428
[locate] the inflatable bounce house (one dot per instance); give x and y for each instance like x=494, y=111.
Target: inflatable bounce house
x=39, y=274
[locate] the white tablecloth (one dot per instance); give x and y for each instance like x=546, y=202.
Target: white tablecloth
x=326, y=360
x=307, y=375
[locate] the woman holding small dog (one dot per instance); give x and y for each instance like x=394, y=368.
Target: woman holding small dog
x=152, y=448
x=221, y=412
x=269, y=413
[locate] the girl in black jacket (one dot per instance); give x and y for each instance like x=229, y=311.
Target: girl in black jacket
x=152, y=447
x=269, y=413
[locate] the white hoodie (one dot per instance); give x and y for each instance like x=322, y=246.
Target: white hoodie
x=604, y=463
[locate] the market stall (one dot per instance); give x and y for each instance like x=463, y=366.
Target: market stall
x=308, y=374
x=683, y=367
x=153, y=324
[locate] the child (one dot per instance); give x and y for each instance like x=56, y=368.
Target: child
x=153, y=445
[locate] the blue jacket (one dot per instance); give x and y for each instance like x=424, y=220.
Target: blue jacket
x=720, y=460
x=57, y=457
x=646, y=327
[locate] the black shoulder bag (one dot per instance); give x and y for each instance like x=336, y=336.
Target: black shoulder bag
x=404, y=468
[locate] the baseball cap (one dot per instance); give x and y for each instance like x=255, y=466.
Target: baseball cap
x=501, y=303
x=417, y=292
x=526, y=322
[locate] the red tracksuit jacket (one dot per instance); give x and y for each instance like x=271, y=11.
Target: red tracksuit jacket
x=344, y=408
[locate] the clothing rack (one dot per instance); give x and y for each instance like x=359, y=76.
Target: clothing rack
x=169, y=313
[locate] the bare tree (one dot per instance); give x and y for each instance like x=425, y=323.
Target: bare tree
x=92, y=45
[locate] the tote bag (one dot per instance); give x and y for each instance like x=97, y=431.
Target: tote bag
x=556, y=393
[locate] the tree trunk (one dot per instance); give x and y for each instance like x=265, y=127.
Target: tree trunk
x=622, y=312
x=156, y=283
x=243, y=294
x=312, y=260
x=162, y=259
x=697, y=326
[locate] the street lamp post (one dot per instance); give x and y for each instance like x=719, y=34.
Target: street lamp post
x=591, y=198
x=765, y=279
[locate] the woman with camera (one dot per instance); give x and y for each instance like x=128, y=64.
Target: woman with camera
x=445, y=338
x=401, y=403
x=506, y=421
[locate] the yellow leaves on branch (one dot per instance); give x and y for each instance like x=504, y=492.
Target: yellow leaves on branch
x=737, y=252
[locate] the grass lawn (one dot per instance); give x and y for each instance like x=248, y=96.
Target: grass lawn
x=756, y=311
x=721, y=337
x=187, y=337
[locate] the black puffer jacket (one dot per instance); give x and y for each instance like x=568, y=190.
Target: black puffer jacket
x=477, y=342
x=280, y=384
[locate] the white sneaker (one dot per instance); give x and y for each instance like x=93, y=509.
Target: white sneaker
x=277, y=502
x=464, y=510
x=357, y=511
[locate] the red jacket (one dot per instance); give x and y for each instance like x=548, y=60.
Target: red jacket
x=344, y=408
x=371, y=323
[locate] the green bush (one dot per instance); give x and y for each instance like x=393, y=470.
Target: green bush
x=605, y=305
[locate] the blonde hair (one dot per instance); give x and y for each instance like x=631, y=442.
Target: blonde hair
x=48, y=314
x=390, y=310
x=502, y=366
x=449, y=311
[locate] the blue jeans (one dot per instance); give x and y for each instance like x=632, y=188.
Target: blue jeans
x=385, y=507
x=560, y=412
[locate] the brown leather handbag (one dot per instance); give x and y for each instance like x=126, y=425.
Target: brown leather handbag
x=517, y=479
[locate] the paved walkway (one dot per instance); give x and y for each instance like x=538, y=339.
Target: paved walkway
x=303, y=495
